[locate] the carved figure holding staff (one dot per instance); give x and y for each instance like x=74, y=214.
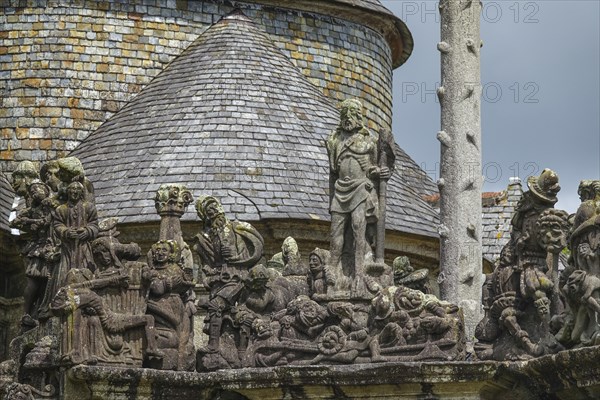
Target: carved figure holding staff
x=357, y=171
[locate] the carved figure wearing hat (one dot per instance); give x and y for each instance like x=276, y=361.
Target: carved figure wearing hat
x=522, y=289
x=21, y=178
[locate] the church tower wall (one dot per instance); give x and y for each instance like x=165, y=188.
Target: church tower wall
x=67, y=66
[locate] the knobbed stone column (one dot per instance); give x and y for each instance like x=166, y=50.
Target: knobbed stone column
x=171, y=201
x=460, y=183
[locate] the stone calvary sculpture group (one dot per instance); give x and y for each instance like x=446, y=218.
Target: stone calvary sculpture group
x=91, y=299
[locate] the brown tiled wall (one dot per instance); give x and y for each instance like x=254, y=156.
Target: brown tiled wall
x=67, y=66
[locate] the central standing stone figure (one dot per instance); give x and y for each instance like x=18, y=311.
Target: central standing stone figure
x=354, y=204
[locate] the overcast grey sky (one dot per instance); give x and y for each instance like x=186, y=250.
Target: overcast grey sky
x=540, y=73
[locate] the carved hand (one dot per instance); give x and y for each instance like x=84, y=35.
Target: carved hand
x=381, y=173
x=385, y=173
x=82, y=234
x=227, y=253
x=122, y=280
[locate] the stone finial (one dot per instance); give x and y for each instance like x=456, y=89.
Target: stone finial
x=172, y=199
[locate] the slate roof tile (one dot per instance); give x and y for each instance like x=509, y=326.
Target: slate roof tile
x=181, y=128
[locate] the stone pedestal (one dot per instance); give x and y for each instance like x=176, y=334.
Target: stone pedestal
x=379, y=381
x=573, y=374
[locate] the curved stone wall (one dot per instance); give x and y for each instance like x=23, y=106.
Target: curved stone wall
x=66, y=66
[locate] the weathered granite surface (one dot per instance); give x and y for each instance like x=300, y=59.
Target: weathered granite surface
x=375, y=381
x=460, y=170
x=573, y=374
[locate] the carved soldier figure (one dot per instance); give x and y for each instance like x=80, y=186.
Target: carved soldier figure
x=265, y=292
x=227, y=249
x=522, y=285
x=39, y=251
x=353, y=182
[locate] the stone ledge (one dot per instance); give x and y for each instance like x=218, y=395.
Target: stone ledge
x=374, y=381
x=573, y=374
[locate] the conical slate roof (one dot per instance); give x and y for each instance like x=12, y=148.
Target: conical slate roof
x=232, y=117
x=7, y=196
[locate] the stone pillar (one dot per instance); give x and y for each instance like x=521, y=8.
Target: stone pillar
x=171, y=201
x=460, y=184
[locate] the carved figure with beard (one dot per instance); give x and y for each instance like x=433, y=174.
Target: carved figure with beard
x=353, y=180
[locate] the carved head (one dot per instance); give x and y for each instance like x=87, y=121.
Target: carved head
x=507, y=256
x=351, y=115
x=576, y=284
x=383, y=305
x=209, y=210
x=165, y=251
x=317, y=260
x=22, y=177
x=64, y=301
x=289, y=249
x=553, y=227
x=109, y=252
x=103, y=250
x=262, y=328
x=70, y=169
x=75, y=192
x=258, y=277
x=544, y=187
x=49, y=174
x=342, y=309
x=589, y=190
x=38, y=191
x=585, y=190
x=402, y=267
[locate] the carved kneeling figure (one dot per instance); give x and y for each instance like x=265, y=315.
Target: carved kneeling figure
x=98, y=331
